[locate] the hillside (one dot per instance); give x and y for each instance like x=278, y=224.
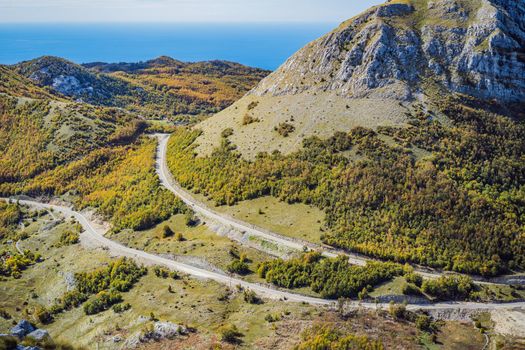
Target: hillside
x=160, y=88
x=408, y=164
x=91, y=156
x=372, y=68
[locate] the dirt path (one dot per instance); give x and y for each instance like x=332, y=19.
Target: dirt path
x=204, y=211
x=93, y=236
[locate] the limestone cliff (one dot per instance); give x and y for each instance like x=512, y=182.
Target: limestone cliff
x=469, y=46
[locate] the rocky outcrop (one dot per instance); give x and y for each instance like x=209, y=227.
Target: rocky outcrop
x=475, y=47
x=157, y=332
x=22, y=329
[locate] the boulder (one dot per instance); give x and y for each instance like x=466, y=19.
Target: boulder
x=22, y=329
x=39, y=335
x=167, y=330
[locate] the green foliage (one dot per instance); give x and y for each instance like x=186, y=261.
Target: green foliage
x=50, y=149
x=121, y=182
x=239, y=267
x=397, y=311
x=327, y=338
x=424, y=323
x=165, y=273
x=230, y=334
x=68, y=301
x=251, y=297
x=460, y=209
x=332, y=278
x=105, y=283
x=411, y=289
x=10, y=216
x=13, y=264
x=455, y=287
x=119, y=275
x=101, y=302
x=272, y=318
x=69, y=238
x=43, y=315
x=190, y=219
x=120, y=308
x=414, y=278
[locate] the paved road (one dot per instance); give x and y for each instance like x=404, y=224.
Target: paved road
x=96, y=237
x=295, y=244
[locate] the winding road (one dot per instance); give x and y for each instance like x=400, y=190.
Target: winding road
x=95, y=236
x=204, y=211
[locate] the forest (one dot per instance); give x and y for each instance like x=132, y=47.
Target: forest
x=331, y=278
x=459, y=208
x=94, y=155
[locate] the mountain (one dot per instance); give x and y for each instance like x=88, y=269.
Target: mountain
x=373, y=67
x=158, y=88
x=405, y=126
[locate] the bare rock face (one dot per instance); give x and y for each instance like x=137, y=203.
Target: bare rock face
x=475, y=47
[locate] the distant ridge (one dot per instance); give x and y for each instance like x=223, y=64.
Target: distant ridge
x=159, y=88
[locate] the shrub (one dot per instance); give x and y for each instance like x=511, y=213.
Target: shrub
x=227, y=133
x=323, y=337
x=398, y=311
x=414, y=278
x=271, y=318
x=284, y=129
x=239, y=267
x=251, y=297
x=190, y=220
x=253, y=105
x=167, y=232
x=248, y=119
x=120, y=308
x=424, y=323
x=102, y=301
x=179, y=237
x=332, y=278
x=120, y=275
x=230, y=334
x=43, y=315
x=411, y=289
x=69, y=238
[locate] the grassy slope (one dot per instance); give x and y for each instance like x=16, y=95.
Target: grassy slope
x=192, y=302
x=319, y=114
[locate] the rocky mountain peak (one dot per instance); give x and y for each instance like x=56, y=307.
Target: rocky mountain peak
x=393, y=50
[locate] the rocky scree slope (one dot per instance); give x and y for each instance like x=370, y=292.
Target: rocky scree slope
x=468, y=46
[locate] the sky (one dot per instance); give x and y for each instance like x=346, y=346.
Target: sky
x=180, y=11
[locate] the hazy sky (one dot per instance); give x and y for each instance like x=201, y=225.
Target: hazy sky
x=181, y=10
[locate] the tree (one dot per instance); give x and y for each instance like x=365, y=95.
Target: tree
x=167, y=232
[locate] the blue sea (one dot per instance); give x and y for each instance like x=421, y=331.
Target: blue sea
x=258, y=45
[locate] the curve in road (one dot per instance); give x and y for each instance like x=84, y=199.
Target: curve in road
x=203, y=210
x=97, y=237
